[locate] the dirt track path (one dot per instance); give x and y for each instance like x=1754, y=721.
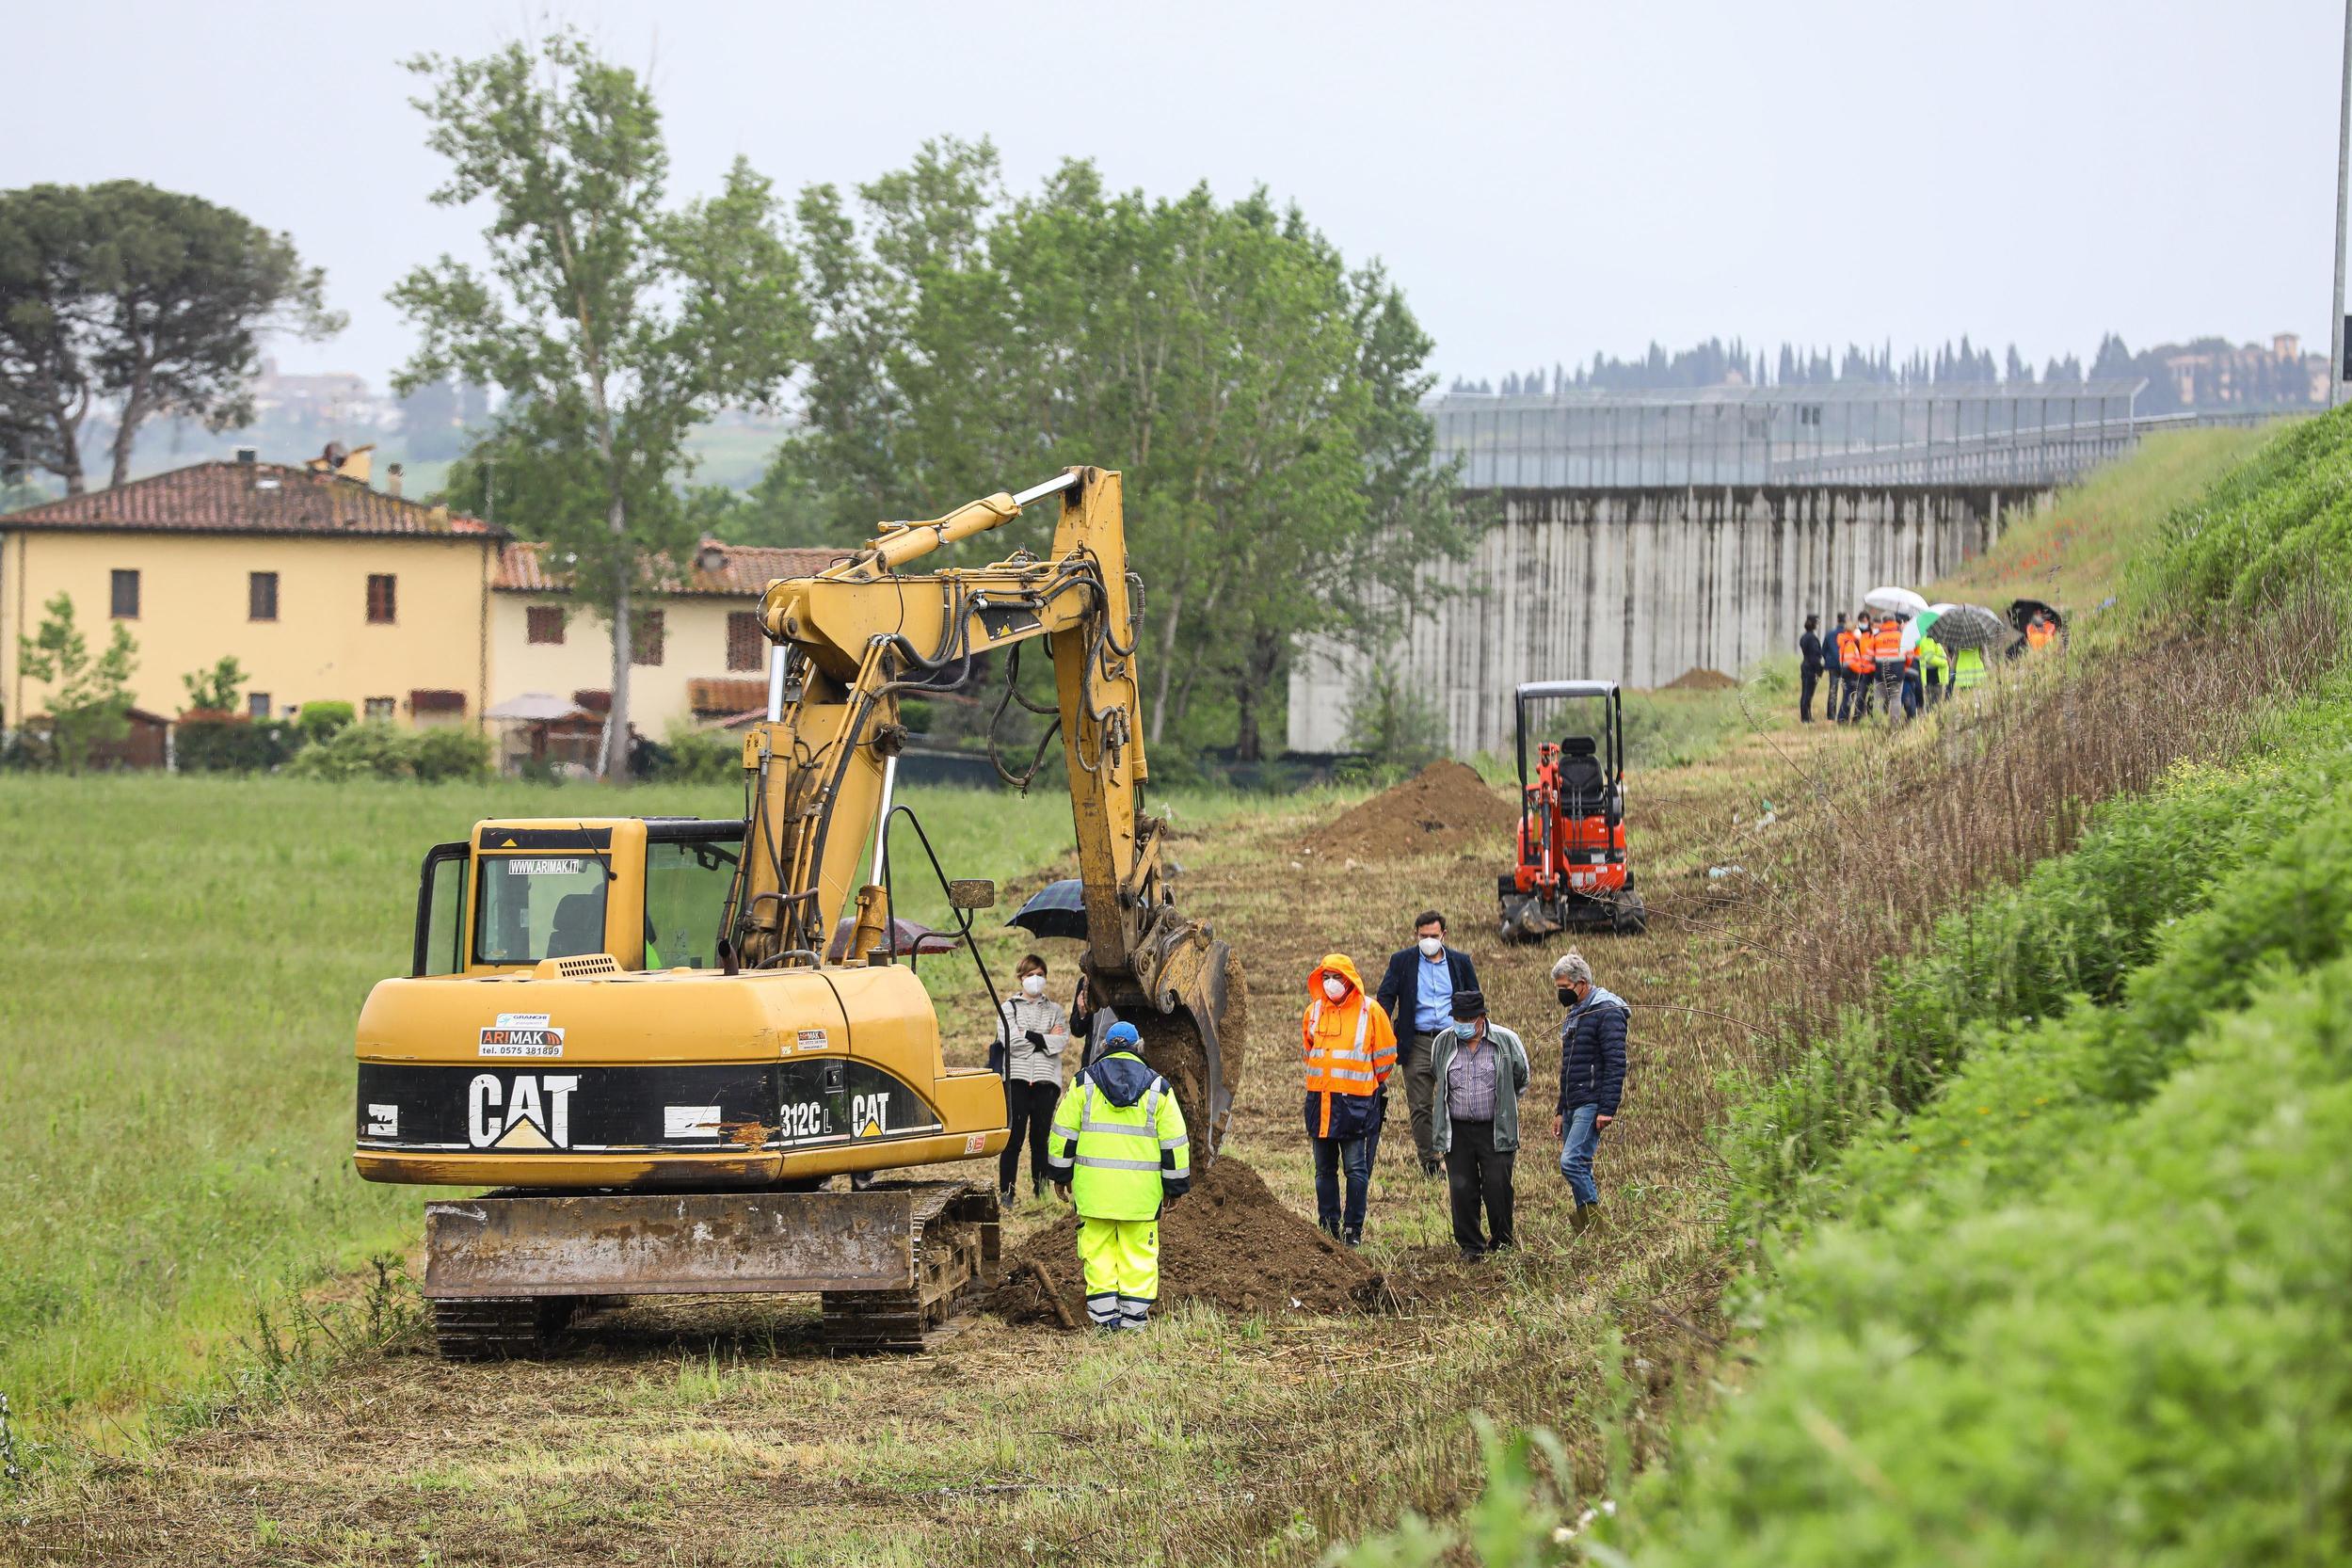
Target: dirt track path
x=714, y=1434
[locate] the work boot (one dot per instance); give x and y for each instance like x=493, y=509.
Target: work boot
x=1353, y=1239
x=1585, y=1218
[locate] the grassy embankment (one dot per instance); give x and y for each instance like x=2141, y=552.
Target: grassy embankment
x=2050, y=1238
x=181, y=960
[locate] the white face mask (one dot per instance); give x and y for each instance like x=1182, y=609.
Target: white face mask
x=1033, y=984
x=1335, y=987
x=1432, y=946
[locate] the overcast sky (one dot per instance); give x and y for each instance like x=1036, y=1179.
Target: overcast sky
x=1546, y=180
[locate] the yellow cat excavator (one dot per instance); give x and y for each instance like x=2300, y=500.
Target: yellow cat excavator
x=648, y=1038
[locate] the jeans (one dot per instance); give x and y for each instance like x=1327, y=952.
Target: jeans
x=1476, y=1173
x=1331, y=1154
x=1027, y=1106
x=1420, y=1088
x=1854, y=697
x=1576, y=1154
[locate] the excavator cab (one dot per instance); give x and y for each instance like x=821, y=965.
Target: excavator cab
x=1570, y=867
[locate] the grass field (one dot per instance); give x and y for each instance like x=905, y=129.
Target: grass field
x=180, y=962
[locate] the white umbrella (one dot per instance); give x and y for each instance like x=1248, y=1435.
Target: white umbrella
x=534, y=706
x=1895, y=601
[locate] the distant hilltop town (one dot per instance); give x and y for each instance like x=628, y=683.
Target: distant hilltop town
x=2201, y=374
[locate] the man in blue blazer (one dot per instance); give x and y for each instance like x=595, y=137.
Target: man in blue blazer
x=1417, y=994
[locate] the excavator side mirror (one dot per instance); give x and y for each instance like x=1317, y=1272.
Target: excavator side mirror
x=972, y=894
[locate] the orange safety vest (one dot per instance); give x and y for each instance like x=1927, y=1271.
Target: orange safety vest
x=1886, y=643
x=2039, y=633
x=1850, y=651
x=1351, y=1049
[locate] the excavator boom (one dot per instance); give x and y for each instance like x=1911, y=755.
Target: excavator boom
x=849, y=641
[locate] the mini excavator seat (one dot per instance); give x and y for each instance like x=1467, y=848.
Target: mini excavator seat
x=1583, y=782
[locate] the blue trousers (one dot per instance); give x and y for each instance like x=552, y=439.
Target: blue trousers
x=1331, y=1155
x=1575, y=1153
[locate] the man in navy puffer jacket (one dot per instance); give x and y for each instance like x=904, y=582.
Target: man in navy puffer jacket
x=1591, y=1077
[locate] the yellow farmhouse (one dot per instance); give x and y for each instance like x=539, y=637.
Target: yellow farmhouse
x=323, y=587
x=698, y=654
x=327, y=589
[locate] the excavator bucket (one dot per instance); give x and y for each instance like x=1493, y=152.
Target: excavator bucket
x=1192, y=1012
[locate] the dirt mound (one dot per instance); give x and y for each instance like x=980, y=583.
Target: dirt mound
x=1700, y=679
x=1445, y=806
x=1229, y=1242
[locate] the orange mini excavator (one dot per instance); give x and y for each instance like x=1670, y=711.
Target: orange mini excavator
x=1572, y=868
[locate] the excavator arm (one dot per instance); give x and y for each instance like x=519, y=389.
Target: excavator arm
x=850, y=641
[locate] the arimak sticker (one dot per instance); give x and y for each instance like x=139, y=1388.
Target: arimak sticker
x=520, y=867
x=522, y=1034
x=815, y=1039
x=975, y=1142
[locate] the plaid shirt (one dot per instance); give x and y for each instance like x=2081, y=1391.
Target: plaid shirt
x=1470, y=1081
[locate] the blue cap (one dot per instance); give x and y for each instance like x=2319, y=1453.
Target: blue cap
x=1120, y=1035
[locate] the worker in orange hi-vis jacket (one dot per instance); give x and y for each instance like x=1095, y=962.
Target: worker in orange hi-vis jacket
x=1350, y=1049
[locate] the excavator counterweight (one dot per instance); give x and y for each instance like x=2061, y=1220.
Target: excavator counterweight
x=631, y=1030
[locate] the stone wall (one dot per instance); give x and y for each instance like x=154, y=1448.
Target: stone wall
x=1639, y=586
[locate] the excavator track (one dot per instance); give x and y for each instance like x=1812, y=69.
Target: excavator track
x=957, y=1232
x=923, y=1245
x=500, y=1328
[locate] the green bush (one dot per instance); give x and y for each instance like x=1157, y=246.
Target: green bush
x=449, y=754
x=231, y=742
x=319, y=721
x=381, y=751
x=691, y=755
x=2276, y=522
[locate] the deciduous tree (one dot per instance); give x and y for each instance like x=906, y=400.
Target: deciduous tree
x=1261, y=398
x=611, y=322
x=89, y=700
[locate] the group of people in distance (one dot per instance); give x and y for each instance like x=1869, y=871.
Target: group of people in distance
x=1116, y=1145
x=1868, y=666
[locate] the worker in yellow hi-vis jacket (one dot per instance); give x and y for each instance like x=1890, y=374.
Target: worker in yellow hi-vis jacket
x=1119, y=1153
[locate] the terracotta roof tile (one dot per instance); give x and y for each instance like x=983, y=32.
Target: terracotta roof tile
x=712, y=695
x=719, y=570
x=245, y=497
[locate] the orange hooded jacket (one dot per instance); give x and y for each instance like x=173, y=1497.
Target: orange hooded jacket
x=1350, y=1049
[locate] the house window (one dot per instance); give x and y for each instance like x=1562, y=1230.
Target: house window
x=257, y=705
x=544, y=623
x=381, y=607
x=644, y=638
x=126, y=596
x=379, y=710
x=742, y=640
x=261, y=595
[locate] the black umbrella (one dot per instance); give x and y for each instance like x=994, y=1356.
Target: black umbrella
x=914, y=938
x=1059, y=909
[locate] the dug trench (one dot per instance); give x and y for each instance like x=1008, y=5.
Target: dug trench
x=1240, y=1428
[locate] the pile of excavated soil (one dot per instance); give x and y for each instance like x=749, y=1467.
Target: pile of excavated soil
x=1700, y=679
x=1228, y=1242
x=1445, y=806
